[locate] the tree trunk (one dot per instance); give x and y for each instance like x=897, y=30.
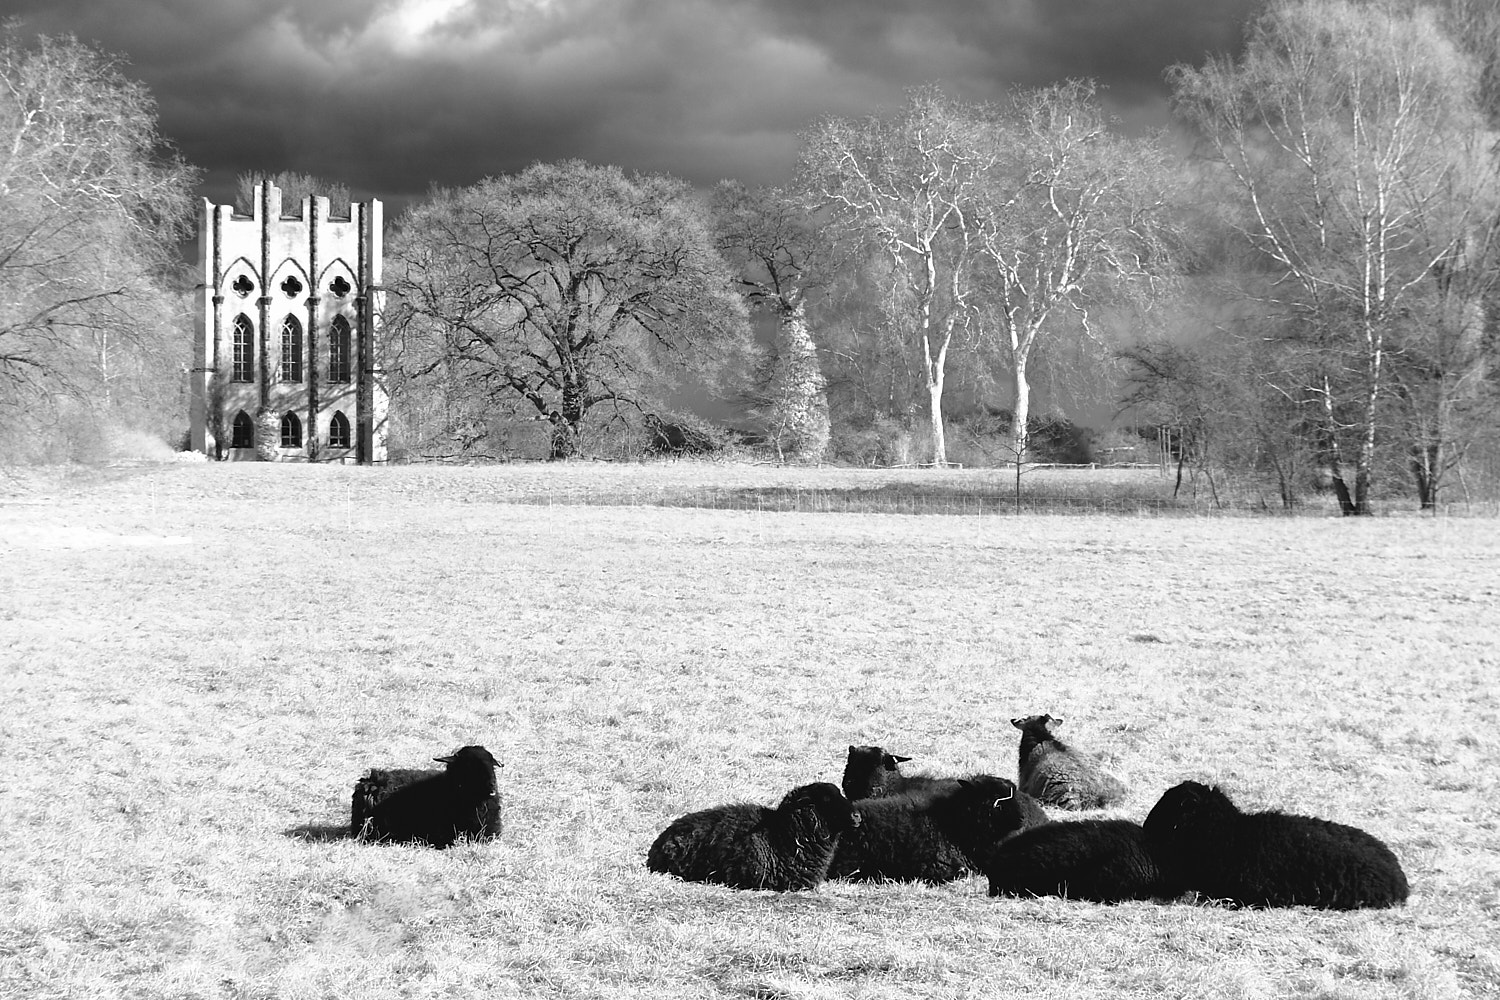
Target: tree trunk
x=567, y=421
x=1020, y=438
x=1364, y=464
x=1426, y=468
x=939, y=444
x=1331, y=454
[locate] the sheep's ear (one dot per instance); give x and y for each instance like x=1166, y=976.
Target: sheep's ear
x=851, y=749
x=1055, y=720
x=444, y=760
x=899, y=759
x=1018, y=723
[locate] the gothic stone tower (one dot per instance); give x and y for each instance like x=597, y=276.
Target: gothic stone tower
x=286, y=366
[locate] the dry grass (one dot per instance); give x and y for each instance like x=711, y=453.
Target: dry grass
x=197, y=661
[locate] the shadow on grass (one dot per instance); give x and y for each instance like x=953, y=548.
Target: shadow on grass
x=319, y=833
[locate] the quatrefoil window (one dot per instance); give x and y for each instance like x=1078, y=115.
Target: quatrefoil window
x=243, y=286
x=291, y=285
x=340, y=287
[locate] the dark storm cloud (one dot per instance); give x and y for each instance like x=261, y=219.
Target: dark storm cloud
x=391, y=96
x=979, y=50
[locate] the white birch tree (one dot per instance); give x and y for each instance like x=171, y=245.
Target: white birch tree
x=905, y=184
x=1342, y=127
x=1069, y=211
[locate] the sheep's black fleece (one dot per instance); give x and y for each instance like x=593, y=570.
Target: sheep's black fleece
x=749, y=846
x=935, y=835
x=1200, y=839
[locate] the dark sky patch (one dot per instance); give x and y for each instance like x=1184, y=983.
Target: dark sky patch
x=393, y=96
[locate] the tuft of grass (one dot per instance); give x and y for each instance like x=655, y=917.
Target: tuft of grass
x=199, y=660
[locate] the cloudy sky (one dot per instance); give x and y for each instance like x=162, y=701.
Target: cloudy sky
x=393, y=96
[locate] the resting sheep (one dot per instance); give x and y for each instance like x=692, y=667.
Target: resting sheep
x=1058, y=775
x=430, y=807
x=378, y=783
x=871, y=773
x=1201, y=840
x=1104, y=860
x=749, y=846
x=936, y=834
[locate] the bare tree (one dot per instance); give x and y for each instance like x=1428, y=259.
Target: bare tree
x=1338, y=127
x=294, y=188
x=91, y=206
x=1223, y=407
x=564, y=288
x=1474, y=25
x=1068, y=213
x=905, y=184
x=1442, y=364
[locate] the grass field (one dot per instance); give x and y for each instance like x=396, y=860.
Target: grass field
x=196, y=662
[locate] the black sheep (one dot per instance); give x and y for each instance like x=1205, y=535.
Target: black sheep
x=871, y=773
x=378, y=783
x=936, y=834
x=748, y=846
x=1104, y=860
x=434, y=807
x=1200, y=839
x=1058, y=775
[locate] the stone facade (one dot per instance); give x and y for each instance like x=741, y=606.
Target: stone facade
x=286, y=342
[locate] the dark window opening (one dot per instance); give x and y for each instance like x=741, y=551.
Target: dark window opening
x=291, y=350
x=243, y=286
x=340, y=287
x=338, y=430
x=243, y=435
x=338, y=350
x=291, y=431
x=244, y=350
x=291, y=285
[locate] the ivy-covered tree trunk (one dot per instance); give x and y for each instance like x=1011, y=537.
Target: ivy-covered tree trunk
x=797, y=408
x=267, y=435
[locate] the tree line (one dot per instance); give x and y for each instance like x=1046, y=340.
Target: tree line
x=1296, y=282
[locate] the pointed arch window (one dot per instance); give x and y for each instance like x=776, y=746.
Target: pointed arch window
x=244, y=350
x=291, y=431
x=338, y=430
x=242, y=431
x=338, y=350
x=291, y=350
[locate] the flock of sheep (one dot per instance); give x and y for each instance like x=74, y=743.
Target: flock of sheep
x=886, y=825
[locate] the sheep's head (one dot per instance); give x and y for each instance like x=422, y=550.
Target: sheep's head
x=991, y=795
x=1188, y=807
x=874, y=758
x=866, y=770
x=826, y=802
x=1037, y=723
x=997, y=791
x=477, y=754
x=471, y=765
